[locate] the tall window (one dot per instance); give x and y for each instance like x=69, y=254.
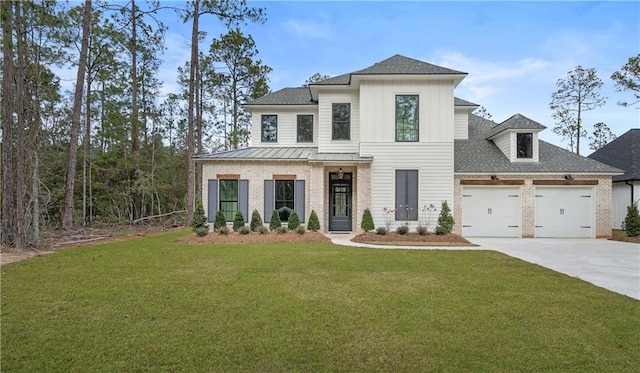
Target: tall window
x=407, y=118
x=285, y=198
x=269, y=128
x=229, y=198
x=341, y=122
x=525, y=145
x=305, y=128
x=406, y=195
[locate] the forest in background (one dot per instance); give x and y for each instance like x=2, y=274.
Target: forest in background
x=113, y=150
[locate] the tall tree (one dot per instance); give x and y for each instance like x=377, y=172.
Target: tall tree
x=628, y=79
x=567, y=127
x=315, y=78
x=483, y=112
x=601, y=136
x=20, y=110
x=578, y=93
x=67, y=215
x=8, y=196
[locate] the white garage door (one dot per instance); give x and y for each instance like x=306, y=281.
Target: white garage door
x=564, y=212
x=491, y=211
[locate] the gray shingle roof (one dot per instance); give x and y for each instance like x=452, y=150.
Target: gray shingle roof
x=460, y=102
x=623, y=153
x=286, y=96
x=309, y=154
x=478, y=155
x=517, y=121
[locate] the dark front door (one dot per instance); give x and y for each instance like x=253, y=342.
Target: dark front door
x=340, y=202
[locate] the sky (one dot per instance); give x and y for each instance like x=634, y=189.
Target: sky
x=513, y=52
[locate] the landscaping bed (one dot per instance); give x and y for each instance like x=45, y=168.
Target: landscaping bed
x=620, y=235
x=254, y=237
x=412, y=239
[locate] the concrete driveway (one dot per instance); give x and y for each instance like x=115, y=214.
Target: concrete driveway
x=612, y=265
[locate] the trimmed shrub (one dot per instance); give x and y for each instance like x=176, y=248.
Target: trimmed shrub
x=263, y=230
x=300, y=229
x=367, y=221
x=632, y=220
x=294, y=221
x=220, y=221
x=244, y=230
x=314, y=223
x=238, y=221
x=275, y=222
x=201, y=231
x=421, y=230
x=256, y=221
x=403, y=229
x=223, y=230
x=445, y=219
x=199, y=222
x=381, y=230
x=281, y=230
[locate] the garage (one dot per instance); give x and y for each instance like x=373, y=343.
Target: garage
x=564, y=212
x=491, y=211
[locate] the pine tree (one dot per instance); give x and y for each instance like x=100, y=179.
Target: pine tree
x=314, y=223
x=294, y=221
x=256, y=221
x=445, y=220
x=632, y=220
x=199, y=222
x=220, y=220
x=238, y=221
x=275, y=222
x=367, y=221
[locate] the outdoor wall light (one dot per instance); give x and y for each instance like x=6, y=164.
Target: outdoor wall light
x=340, y=174
x=494, y=177
x=568, y=177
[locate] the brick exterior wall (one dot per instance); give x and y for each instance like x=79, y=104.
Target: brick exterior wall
x=602, y=204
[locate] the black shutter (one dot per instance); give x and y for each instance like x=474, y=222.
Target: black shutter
x=243, y=198
x=212, y=195
x=298, y=199
x=269, y=204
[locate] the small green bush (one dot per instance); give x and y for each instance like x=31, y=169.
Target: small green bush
x=381, y=230
x=421, y=230
x=314, y=223
x=238, y=221
x=263, y=230
x=219, y=221
x=403, y=229
x=445, y=219
x=256, y=221
x=294, y=221
x=632, y=220
x=244, y=230
x=199, y=222
x=367, y=221
x=300, y=229
x=275, y=222
x=281, y=230
x=202, y=231
x=223, y=230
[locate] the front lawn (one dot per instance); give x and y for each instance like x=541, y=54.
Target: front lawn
x=152, y=304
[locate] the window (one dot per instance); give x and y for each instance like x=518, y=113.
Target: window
x=525, y=145
x=407, y=118
x=341, y=122
x=406, y=195
x=285, y=198
x=305, y=128
x=229, y=198
x=269, y=128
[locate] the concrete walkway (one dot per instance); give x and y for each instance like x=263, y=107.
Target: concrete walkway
x=612, y=265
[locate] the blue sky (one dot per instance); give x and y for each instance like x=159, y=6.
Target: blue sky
x=514, y=52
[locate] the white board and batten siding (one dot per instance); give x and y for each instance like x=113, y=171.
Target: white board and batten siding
x=287, y=125
x=564, y=211
x=621, y=193
x=491, y=211
x=325, y=117
x=461, y=124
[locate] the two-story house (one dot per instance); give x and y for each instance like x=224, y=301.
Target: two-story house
x=393, y=138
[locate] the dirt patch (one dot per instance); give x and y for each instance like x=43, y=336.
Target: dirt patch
x=412, y=239
x=253, y=237
x=620, y=235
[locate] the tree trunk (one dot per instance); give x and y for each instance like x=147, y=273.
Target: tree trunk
x=8, y=201
x=21, y=177
x=190, y=114
x=134, y=83
x=67, y=216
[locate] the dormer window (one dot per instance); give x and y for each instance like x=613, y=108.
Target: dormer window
x=524, y=145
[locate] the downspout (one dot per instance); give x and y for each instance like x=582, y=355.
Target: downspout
x=631, y=185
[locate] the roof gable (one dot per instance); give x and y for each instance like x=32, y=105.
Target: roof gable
x=285, y=96
x=516, y=122
x=623, y=153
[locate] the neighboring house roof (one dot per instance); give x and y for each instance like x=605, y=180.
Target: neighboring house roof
x=309, y=154
x=623, y=153
x=286, y=96
x=478, y=155
x=517, y=121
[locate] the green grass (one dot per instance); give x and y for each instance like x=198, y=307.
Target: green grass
x=152, y=305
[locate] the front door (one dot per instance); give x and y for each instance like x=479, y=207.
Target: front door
x=340, y=201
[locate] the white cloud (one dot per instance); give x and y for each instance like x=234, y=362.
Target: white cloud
x=309, y=29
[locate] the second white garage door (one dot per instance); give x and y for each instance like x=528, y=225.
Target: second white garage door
x=564, y=212
x=491, y=211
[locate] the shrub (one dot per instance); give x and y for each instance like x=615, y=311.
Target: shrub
x=421, y=230
x=281, y=230
x=223, y=230
x=367, y=221
x=314, y=223
x=263, y=230
x=632, y=220
x=403, y=229
x=381, y=230
x=256, y=221
x=220, y=221
x=294, y=221
x=445, y=220
x=275, y=222
x=300, y=229
x=244, y=230
x=238, y=221
x=199, y=222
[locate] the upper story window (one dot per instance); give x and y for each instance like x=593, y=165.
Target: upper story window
x=305, y=128
x=341, y=122
x=524, y=145
x=228, y=198
x=269, y=128
x=407, y=126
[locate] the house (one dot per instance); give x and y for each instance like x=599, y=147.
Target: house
x=393, y=138
x=623, y=153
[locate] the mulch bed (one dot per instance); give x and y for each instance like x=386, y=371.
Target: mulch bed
x=253, y=237
x=412, y=239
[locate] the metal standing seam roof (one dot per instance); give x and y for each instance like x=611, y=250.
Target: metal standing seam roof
x=624, y=153
x=309, y=154
x=478, y=155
